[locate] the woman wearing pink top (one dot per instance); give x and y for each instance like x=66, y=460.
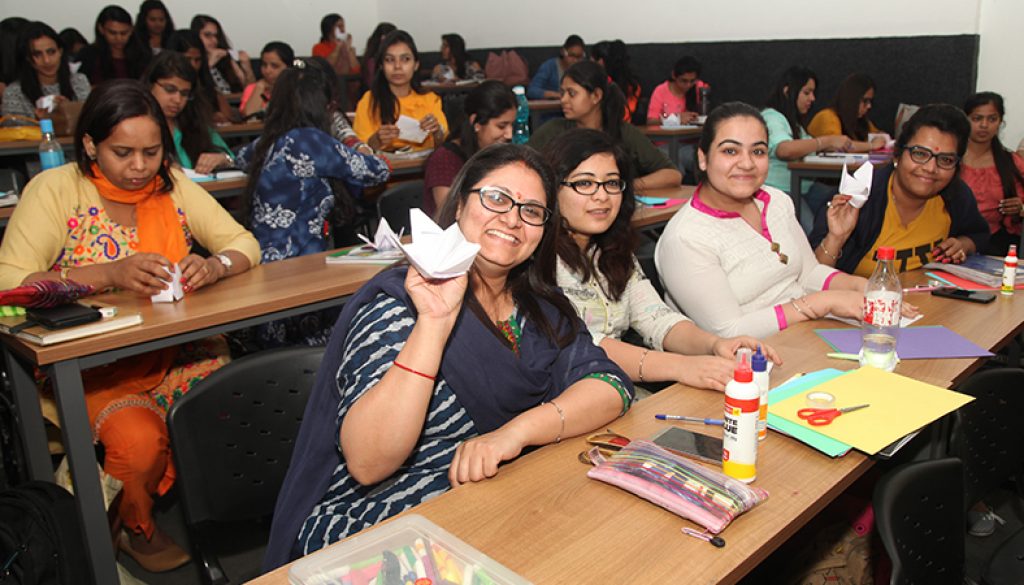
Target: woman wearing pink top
x=677, y=95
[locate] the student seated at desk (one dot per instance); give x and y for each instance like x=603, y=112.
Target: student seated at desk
x=116, y=53
x=546, y=82
x=589, y=100
x=154, y=26
x=993, y=173
x=490, y=112
x=336, y=45
x=456, y=64
x=602, y=278
x=369, y=66
x=678, y=94
x=613, y=56
x=187, y=42
x=274, y=58
x=734, y=258
x=396, y=92
x=42, y=70
x=467, y=371
x=197, y=145
x=119, y=218
x=848, y=115
x=230, y=74
x=917, y=203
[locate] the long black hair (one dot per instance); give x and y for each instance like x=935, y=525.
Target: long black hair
x=111, y=103
x=942, y=117
x=457, y=49
x=27, y=75
x=716, y=118
x=785, y=94
x=136, y=54
x=71, y=37
x=687, y=64
x=489, y=100
x=327, y=24
x=382, y=100
x=616, y=63
x=9, y=29
x=1009, y=175
x=847, y=104
x=533, y=280
x=373, y=41
x=142, y=27
x=224, y=65
x=592, y=77
x=615, y=246
x=181, y=41
x=194, y=121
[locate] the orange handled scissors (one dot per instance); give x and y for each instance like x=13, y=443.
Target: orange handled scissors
x=817, y=417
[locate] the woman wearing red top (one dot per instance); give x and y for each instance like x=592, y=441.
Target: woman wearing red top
x=336, y=45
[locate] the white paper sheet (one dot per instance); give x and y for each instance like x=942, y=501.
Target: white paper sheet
x=857, y=185
x=437, y=253
x=384, y=239
x=409, y=130
x=173, y=292
x=904, y=320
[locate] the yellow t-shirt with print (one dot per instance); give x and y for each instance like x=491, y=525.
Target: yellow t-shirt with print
x=913, y=242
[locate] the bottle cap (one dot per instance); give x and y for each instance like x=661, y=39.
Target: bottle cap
x=758, y=362
x=518, y=90
x=1013, y=250
x=886, y=253
x=743, y=372
x=46, y=125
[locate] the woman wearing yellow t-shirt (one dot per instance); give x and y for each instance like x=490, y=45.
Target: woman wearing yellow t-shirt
x=917, y=204
x=848, y=115
x=395, y=92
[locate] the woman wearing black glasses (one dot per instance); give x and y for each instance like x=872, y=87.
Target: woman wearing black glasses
x=599, y=273
x=917, y=205
x=173, y=82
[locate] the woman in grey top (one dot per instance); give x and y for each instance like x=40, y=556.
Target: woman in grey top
x=42, y=70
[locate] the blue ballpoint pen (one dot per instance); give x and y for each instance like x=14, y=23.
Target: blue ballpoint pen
x=696, y=419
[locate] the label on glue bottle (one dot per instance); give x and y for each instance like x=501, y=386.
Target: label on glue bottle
x=739, y=436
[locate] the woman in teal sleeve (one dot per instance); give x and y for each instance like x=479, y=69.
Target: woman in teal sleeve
x=172, y=82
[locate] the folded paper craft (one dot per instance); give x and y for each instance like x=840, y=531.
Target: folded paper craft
x=385, y=239
x=437, y=253
x=173, y=292
x=409, y=130
x=857, y=185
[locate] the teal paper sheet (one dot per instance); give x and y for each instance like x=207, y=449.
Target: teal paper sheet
x=826, y=445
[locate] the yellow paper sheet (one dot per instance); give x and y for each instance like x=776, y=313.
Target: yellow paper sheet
x=899, y=406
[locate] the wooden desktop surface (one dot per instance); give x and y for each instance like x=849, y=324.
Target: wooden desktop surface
x=659, y=131
x=544, y=519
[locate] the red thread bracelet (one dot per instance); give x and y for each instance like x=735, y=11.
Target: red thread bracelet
x=412, y=371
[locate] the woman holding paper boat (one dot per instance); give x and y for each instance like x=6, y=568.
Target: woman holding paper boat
x=438, y=372
x=917, y=204
x=734, y=258
x=122, y=217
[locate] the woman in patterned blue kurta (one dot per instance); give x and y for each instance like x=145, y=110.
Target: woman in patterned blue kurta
x=402, y=407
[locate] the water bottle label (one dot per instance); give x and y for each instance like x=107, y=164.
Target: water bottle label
x=882, y=309
x=51, y=159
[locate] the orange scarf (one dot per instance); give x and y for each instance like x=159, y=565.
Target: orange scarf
x=157, y=224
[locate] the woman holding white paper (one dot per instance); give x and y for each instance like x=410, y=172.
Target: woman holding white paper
x=734, y=258
x=43, y=70
x=396, y=114
x=917, y=204
x=467, y=371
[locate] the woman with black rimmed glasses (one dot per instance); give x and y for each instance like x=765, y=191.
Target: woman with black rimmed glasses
x=599, y=274
x=917, y=204
x=467, y=371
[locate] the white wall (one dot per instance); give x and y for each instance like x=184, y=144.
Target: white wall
x=999, y=26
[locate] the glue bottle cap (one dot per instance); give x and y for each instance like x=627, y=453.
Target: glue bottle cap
x=743, y=372
x=758, y=362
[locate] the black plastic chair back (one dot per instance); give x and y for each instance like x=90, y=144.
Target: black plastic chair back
x=395, y=203
x=919, y=515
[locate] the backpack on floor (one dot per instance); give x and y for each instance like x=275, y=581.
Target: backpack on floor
x=40, y=536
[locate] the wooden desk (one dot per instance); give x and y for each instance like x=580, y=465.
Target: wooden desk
x=29, y=147
x=543, y=518
x=5, y=214
x=653, y=219
x=674, y=136
x=226, y=188
x=540, y=107
x=265, y=293
x=248, y=130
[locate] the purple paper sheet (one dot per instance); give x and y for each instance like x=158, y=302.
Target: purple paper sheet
x=913, y=343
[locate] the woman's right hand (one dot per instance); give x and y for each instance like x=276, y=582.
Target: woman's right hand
x=436, y=299
x=214, y=56
x=837, y=143
x=143, y=273
x=842, y=217
x=705, y=371
x=845, y=303
x=688, y=117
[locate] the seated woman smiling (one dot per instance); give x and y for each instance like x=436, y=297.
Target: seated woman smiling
x=468, y=371
x=603, y=279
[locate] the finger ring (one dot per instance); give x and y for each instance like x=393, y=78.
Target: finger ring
x=829, y=204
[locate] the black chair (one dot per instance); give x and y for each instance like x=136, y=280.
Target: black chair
x=395, y=203
x=232, y=439
x=919, y=514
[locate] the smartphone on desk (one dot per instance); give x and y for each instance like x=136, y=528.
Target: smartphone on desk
x=973, y=296
x=64, y=316
x=690, y=444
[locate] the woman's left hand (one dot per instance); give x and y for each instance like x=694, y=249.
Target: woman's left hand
x=197, y=272
x=478, y=458
x=728, y=346
x=950, y=250
x=430, y=124
x=1011, y=206
x=211, y=161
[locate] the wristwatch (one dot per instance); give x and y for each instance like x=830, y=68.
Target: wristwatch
x=226, y=261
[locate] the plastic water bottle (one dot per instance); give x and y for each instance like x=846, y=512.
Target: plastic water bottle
x=704, y=100
x=759, y=365
x=739, y=427
x=1009, y=271
x=51, y=153
x=880, y=323
x=521, y=129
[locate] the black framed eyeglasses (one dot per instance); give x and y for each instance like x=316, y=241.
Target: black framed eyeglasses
x=944, y=160
x=170, y=88
x=499, y=200
x=589, y=187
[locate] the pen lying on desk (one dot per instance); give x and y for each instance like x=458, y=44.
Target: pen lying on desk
x=696, y=419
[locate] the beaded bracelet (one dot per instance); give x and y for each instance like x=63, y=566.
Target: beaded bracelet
x=412, y=371
x=561, y=415
x=640, y=369
x=829, y=254
x=807, y=315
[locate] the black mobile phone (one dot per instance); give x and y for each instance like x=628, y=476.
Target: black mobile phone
x=64, y=316
x=973, y=296
x=690, y=444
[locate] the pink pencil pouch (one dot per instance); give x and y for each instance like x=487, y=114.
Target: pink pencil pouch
x=686, y=488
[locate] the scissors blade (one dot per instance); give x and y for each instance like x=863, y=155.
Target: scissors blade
x=853, y=408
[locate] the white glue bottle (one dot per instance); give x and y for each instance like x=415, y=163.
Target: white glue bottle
x=759, y=365
x=1009, y=271
x=739, y=429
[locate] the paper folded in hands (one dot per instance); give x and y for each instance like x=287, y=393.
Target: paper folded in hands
x=857, y=185
x=409, y=130
x=385, y=240
x=437, y=253
x=173, y=292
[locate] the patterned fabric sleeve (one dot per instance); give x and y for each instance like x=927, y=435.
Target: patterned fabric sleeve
x=648, y=314
x=15, y=102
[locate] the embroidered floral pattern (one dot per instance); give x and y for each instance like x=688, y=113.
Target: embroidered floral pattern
x=94, y=238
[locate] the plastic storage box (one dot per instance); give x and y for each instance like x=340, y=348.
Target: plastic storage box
x=411, y=549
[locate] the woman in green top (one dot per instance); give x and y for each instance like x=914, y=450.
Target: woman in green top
x=172, y=81
x=589, y=100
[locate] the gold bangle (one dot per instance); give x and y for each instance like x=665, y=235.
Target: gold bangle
x=829, y=254
x=64, y=272
x=808, y=315
x=640, y=369
x=561, y=415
